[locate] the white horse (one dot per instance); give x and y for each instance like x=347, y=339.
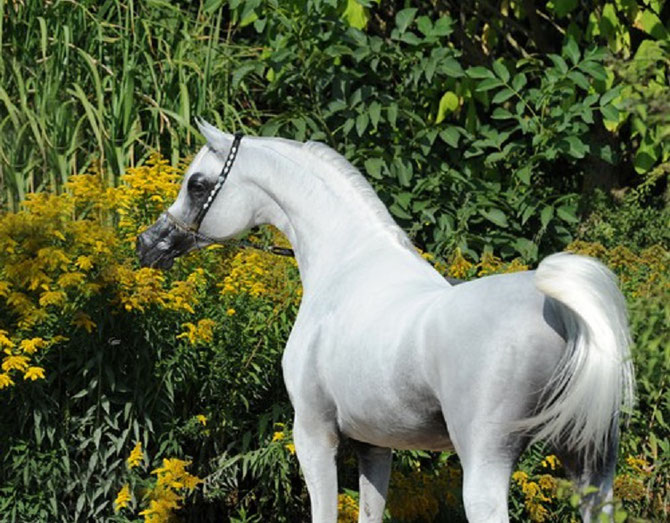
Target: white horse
x=386, y=352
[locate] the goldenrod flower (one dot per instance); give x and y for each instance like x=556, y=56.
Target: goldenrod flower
x=32, y=345
x=83, y=320
x=34, y=373
x=52, y=298
x=5, y=341
x=136, y=456
x=551, y=461
x=5, y=380
x=122, y=498
x=13, y=362
x=173, y=474
x=198, y=334
x=85, y=263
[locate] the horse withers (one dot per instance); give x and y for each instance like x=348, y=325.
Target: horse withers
x=388, y=353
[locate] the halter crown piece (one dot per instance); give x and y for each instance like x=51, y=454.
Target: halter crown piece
x=194, y=228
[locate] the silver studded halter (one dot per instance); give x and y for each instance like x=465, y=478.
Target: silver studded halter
x=194, y=228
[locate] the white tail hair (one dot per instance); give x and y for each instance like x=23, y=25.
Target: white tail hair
x=595, y=378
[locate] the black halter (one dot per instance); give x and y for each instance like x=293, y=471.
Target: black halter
x=194, y=228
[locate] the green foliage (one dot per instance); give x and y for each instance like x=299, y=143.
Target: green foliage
x=485, y=150
x=105, y=84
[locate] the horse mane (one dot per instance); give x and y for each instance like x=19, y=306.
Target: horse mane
x=359, y=189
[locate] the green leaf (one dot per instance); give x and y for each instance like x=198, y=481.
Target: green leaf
x=451, y=136
x=452, y=68
x=487, y=84
x=579, y=79
x=502, y=96
x=373, y=166
x=610, y=113
x=646, y=156
x=649, y=22
x=392, y=114
x=567, y=213
x=375, y=112
x=494, y=215
x=480, y=72
x=564, y=7
x=593, y=69
x=559, y=63
x=526, y=248
x=546, y=215
x=500, y=113
x=519, y=82
x=571, y=50
x=396, y=210
x=448, y=104
x=610, y=95
x=576, y=147
x=524, y=174
x=501, y=70
x=404, y=18
x=362, y=121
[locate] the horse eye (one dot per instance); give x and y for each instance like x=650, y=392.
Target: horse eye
x=197, y=187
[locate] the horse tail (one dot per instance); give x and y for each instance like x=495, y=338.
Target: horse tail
x=595, y=377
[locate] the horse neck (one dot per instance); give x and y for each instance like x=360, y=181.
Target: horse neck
x=330, y=216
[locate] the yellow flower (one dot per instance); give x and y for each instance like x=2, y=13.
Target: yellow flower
x=136, y=456
x=551, y=461
x=347, y=509
x=459, y=266
x=83, y=320
x=5, y=380
x=15, y=362
x=198, y=334
x=520, y=477
x=34, y=373
x=85, y=263
x=52, y=298
x=173, y=475
x=290, y=447
x=278, y=436
x=32, y=345
x=122, y=498
x=5, y=341
x=202, y=419
x=231, y=312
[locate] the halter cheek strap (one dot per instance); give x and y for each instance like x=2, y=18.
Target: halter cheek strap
x=225, y=171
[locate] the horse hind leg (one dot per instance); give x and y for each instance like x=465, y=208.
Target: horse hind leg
x=374, y=465
x=599, y=473
x=488, y=457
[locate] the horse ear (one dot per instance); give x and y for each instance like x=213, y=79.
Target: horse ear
x=217, y=140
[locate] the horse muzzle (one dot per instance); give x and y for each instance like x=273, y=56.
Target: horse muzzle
x=161, y=243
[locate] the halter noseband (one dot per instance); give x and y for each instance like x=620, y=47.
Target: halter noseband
x=194, y=228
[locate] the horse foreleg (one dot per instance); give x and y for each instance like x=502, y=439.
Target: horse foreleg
x=374, y=470
x=316, y=445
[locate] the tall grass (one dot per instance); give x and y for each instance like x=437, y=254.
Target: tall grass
x=87, y=82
